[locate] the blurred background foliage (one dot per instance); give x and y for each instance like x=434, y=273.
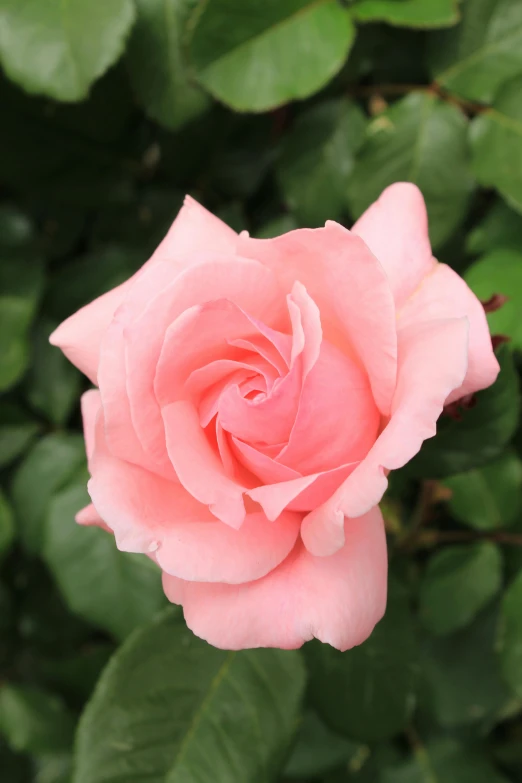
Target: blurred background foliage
x=274, y=114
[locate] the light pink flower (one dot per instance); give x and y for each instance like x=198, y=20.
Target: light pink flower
x=252, y=397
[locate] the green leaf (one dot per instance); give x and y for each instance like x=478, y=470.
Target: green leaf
x=114, y=590
x=318, y=750
x=276, y=227
x=368, y=693
x=53, y=768
x=488, y=498
x=501, y=228
x=444, y=761
x=158, y=72
x=419, y=139
x=33, y=720
x=16, y=229
x=496, y=143
x=317, y=159
x=48, y=467
x=480, y=435
x=457, y=583
x=500, y=272
x=461, y=675
x=7, y=529
x=21, y=282
x=485, y=49
x=53, y=383
x=408, y=13
x=171, y=708
x=255, y=57
x=510, y=635
x=59, y=48
x=17, y=431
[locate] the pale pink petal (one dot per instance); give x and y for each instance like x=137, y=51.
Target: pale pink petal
x=89, y=517
x=244, y=282
x=395, y=228
x=199, y=467
x=91, y=405
x=432, y=362
x=194, y=229
x=337, y=420
x=444, y=294
x=261, y=464
x=350, y=288
x=80, y=335
x=336, y=599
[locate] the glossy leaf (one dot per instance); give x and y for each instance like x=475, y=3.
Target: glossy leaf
x=17, y=431
x=457, y=583
x=510, y=635
x=157, y=68
x=255, y=57
x=318, y=750
x=423, y=14
x=59, y=48
x=488, y=498
x=171, y=708
x=48, y=467
x=501, y=228
x=480, y=434
x=114, y=590
x=476, y=57
x=368, y=693
x=423, y=140
x=496, y=141
x=317, y=159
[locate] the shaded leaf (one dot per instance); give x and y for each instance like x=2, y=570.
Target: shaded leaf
x=33, y=720
x=408, y=13
x=510, y=635
x=171, y=708
x=501, y=228
x=423, y=140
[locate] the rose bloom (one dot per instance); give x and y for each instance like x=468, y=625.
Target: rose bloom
x=252, y=396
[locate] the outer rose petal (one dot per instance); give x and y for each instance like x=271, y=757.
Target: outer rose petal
x=336, y=599
x=395, y=228
x=91, y=404
x=444, y=294
x=432, y=362
x=350, y=288
x=80, y=335
x=152, y=515
x=89, y=517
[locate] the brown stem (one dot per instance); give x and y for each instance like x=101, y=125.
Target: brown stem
x=427, y=539
x=372, y=90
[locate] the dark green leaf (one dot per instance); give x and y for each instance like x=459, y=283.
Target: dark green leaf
x=496, y=143
x=501, y=228
x=461, y=675
x=481, y=433
x=318, y=750
x=276, y=227
x=488, y=498
x=255, y=57
x=48, y=467
x=158, y=73
x=16, y=229
x=171, y=708
x=53, y=383
x=7, y=529
x=60, y=48
x=408, y=13
x=114, y=590
x=34, y=721
x=444, y=761
x=53, y=768
x=317, y=160
x=368, y=693
x=485, y=49
x=17, y=431
x=419, y=139
x=458, y=582
x=510, y=637
x=21, y=281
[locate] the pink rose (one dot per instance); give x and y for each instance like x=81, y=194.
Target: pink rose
x=252, y=397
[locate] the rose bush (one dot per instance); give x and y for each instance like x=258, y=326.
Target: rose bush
x=252, y=396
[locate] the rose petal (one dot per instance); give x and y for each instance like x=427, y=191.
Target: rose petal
x=336, y=599
x=350, y=288
x=395, y=228
x=443, y=294
x=432, y=362
x=89, y=517
x=91, y=405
